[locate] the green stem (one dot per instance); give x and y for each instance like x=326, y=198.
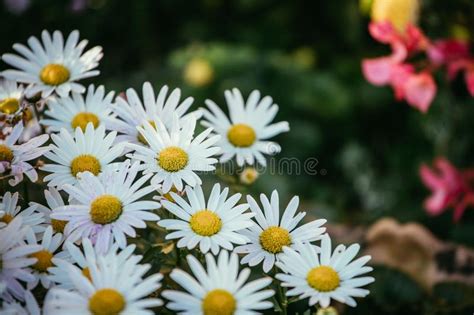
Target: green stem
x=281, y=292
x=283, y=299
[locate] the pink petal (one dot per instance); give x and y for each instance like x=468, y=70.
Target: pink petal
x=454, y=67
x=383, y=31
x=436, y=203
x=378, y=70
x=430, y=178
x=468, y=200
x=469, y=78
x=447, y=50
x=414, y=39
x=399, y=77
x=420, y=90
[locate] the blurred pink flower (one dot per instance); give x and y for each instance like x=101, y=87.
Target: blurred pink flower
x=450, y=188
x=447, y=50
x=413, y=82
x=419, y=89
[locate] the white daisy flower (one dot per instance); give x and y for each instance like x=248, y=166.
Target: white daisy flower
x=13, y=108
x=175, y=156
x=132, y=112
x=113, y=288
x=15, y=257
x=53, y=66
x=212, y=225
x=324, y=276
x=245, y=134
x=272, y=233
x=54, y=201
x=84, y=258
x=14, y=157
x=220, y=290
x=109, y=206
x=14, y=308
x=30, y=216
x=90, y=151
x=11, y=97
x=74, y=111
x=44, y=256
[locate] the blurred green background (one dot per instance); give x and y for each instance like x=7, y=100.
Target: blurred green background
x=306, y=55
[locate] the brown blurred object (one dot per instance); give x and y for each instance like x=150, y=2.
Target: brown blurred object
x=415, y=250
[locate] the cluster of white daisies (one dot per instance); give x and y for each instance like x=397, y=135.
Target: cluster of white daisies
x=111, y=163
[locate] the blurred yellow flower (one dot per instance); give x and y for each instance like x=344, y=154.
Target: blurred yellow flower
x=460, y=32
x=198, y=72
x=248, y=176
x=399, y=12
x=365, y=6
x=305, y=57
x=327, y=311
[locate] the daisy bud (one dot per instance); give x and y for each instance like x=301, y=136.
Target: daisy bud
x=248, y=176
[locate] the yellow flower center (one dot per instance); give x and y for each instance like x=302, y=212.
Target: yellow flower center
x=274, y=238
x=323, y=279
x=172, y=159
x=7, y=218
x=82, y=119
x=44, y=260
x=83, y=163
x=87, y=273
x=106, y=302
x=9, y=105
x=27, y=114
x=6, y=154
x=205, y=223
x=219, y=302
x=58, y=225
x=141, y=138
x=105, y=209
x=54, y=74
x=241, y=135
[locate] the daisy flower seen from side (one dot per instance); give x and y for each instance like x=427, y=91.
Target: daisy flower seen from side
x=54, y=201
x=108, y=207
x=89, y=151
x=49, y=245
x=221, y=290
x=175, y=156
x=271, y=233
x=14, y=157
x=85, y=257
x=30, y=216
x=11, y=97
x=74, y=111
x=112, y=288
x=15, y=258
x=324, y=276
x=132, y=112
x=210, y=225
x=245, y=134
x=53, y=65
